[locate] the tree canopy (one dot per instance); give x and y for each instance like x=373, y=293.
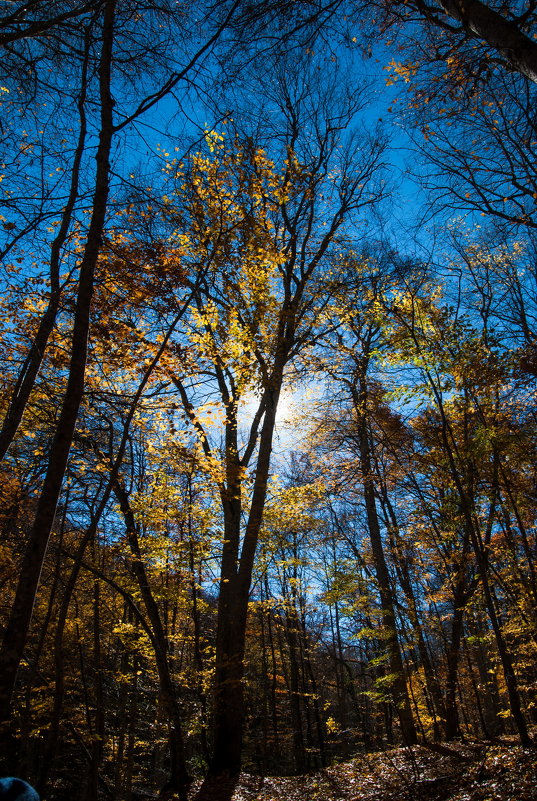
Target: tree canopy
x=268, y=348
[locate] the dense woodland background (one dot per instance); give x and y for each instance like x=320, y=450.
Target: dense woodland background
x=268, y=362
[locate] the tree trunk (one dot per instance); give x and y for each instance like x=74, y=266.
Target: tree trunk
x=498, y=32
x=235, y=581
x=18, y=626
x=293, y=645
x=179, y=779
x=431, y=682
x=399, y=691
x=32, y=364
x=505, y=655
x=97, y=743
x=51, y=744
x=453, y=656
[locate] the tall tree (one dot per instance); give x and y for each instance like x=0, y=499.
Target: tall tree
x=267, y=230
x=349, y=361
x=458, y=420
x=109, y=126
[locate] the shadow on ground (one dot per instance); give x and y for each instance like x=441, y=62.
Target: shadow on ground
x=216, y=789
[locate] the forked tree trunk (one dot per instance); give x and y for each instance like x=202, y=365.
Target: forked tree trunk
x=235, y=582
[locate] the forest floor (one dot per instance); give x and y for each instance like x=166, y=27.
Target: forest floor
x=458, y=772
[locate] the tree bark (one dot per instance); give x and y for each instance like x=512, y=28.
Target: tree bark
x=431, y=681
x=235, y=581
x=18, y=626
x=179, y=780
x=32, y=364
x=503, y=650
x=399, y=691
x=495, y=30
